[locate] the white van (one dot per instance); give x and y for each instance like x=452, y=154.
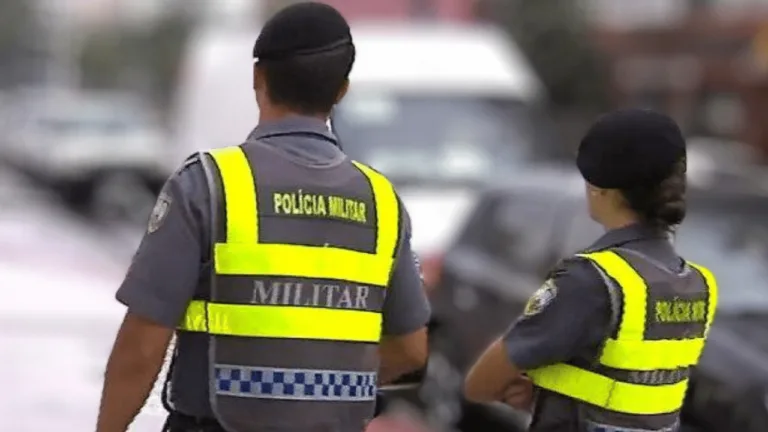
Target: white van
x=438, y=107
x=215, y=106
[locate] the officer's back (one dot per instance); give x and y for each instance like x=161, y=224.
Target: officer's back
x=281, y=262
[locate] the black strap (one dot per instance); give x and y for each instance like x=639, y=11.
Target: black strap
x=166, y=394
x=178, y=422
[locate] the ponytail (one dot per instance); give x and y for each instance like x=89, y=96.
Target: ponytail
x=661, y=205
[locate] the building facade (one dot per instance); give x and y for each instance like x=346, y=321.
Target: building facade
x=708, y=67
x=444, y=10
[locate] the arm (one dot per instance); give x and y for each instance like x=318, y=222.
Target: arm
x=402, y=354
x=567, y=316
x=136, y=358
x=157, y=289
x=406, y=313
x=491, y=375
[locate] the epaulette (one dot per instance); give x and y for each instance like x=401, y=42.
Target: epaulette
x=561, y=266
x=558, y=269
x=191, y=160
x=188, y=162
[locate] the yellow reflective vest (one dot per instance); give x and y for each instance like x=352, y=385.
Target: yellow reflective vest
x=636, y=374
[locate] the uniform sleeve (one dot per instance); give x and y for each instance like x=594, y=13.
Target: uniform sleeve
x=165, y=270
x=566, y=317
x=406, y=308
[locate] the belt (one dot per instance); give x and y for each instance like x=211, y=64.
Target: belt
x=596, y=427
x=178, y=422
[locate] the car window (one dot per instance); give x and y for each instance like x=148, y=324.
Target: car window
x=86, y=123
x=435, y=138
x=107, y=117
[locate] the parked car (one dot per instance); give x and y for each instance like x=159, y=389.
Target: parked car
x=725, y=166
x=479, y=290
x=515, y=235
x=103, y=151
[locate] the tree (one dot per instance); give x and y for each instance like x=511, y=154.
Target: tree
x=147, y=60
x=18, y=28
x=553, y=34
x=271, y=7
x=168, y=41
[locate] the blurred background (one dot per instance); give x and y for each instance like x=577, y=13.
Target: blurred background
x=473, y=108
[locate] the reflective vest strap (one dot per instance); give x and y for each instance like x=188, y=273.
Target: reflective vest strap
x=239, y=194
x=709, y=278
x=632, y=326
x=607, y=393
x=651, y=355
x=387, y=211
x=282, y=322
x=302, y=261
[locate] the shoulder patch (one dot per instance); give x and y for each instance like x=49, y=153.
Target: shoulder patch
x=541, y=298
x=159, y=212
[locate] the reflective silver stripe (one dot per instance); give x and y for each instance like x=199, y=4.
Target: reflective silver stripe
x=614, y=292
x=295, y=384
x=596, y=427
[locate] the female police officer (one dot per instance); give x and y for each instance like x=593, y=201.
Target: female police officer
x=609, y=340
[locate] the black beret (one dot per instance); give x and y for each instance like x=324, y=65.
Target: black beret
x=301, y=29
x=630, y=147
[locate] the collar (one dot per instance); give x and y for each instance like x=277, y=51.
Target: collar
x=293, y=125
x=628, y=234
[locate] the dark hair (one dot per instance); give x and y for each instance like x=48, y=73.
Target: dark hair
x=661, y=205
x=308, y=84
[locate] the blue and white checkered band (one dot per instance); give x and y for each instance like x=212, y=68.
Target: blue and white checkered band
x=295, y=384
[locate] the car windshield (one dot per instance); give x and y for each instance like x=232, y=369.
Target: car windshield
x=433, y=137
x=735, y=248
x=87, y=123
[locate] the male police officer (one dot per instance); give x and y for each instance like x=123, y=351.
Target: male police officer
x=280, y=261
x=611, y=337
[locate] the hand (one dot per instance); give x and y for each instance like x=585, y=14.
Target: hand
x=519, y=394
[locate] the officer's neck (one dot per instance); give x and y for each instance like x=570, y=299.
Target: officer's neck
x=618, y=220
x=271, y=114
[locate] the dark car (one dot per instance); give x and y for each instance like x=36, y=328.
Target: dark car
x=516, y=235
x=460, y=330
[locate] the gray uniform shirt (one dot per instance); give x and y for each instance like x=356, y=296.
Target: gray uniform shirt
x=573, y=320
x=174, y=258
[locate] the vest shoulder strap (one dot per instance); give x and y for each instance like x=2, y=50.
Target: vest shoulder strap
x=614, y=293
x=633, y=288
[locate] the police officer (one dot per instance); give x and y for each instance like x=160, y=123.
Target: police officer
x=611, y=337
x=285, y=268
